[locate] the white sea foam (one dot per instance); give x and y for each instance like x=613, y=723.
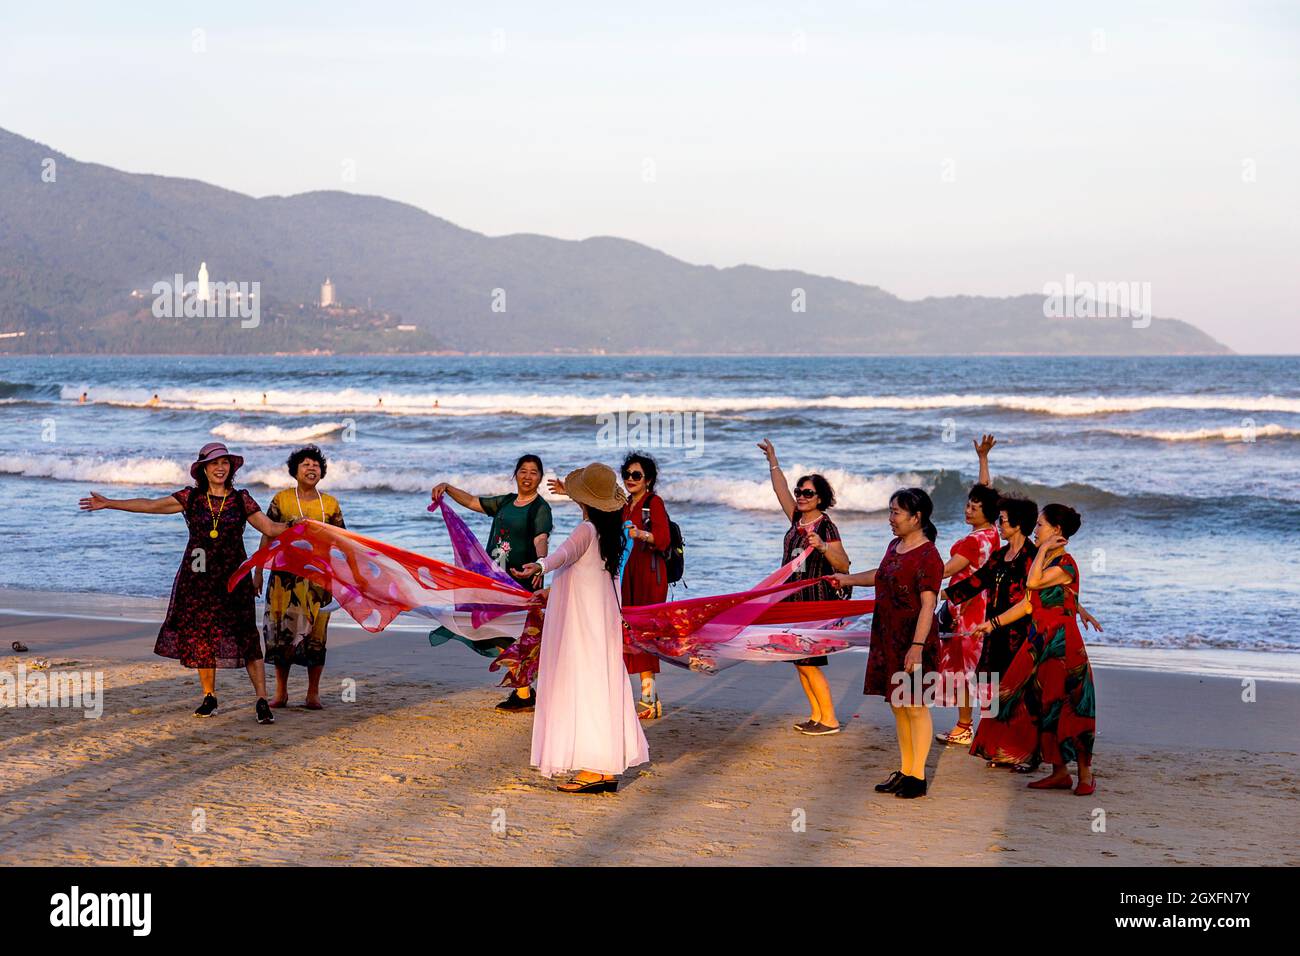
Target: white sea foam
x=854, y=492
x=274, y=434
x=98, y=470
x=351, y=400
x=1235, y=433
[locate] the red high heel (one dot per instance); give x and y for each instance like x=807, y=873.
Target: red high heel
x=1065, y=784
x=1086, y=789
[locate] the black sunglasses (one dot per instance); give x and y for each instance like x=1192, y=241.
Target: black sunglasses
x=634, y=475
x=805, y=493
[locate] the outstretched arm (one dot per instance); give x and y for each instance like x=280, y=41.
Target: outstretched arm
x=572, y=549
x=269, y=528
x=145, y=506
x=462, y=498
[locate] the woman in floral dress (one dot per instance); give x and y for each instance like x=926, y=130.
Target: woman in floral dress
x=207, y=626
x=1050, y=679
x=959, y=652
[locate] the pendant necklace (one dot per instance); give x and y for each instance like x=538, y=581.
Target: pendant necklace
x=216, y=515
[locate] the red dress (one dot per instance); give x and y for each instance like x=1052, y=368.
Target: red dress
x=206, y=625
x=900, y=581
x=959, y=653
x=645, y=579
x=1047, y=700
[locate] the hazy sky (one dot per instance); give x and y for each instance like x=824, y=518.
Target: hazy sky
x=927, y=148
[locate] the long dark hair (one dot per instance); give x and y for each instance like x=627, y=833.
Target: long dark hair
x=609, y=535
x=915, y=501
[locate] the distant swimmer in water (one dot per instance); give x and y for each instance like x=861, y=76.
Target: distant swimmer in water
x=435, y=403
x=153, y=402
x=85, y=397
x=264, y=398
x=380, y=404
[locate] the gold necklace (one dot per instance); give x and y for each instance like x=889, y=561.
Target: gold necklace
x=216, y=515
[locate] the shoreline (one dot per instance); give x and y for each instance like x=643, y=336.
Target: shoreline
x=1271, y=665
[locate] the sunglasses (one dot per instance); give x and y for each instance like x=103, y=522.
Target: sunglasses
x=633, y=475
x=805, y=493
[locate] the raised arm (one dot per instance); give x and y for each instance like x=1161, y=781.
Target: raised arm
x=779, y=483
x=145, y=506
x=982, y=449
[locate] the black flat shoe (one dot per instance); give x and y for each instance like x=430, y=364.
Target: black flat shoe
x=264, y=715
x=892, y=784
x=208, y=708
x=910, y=789
x=595, y=786
x=515, y=703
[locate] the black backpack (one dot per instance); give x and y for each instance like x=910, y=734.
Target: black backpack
x=675, y=556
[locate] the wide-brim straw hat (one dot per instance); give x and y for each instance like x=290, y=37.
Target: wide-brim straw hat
x=595, y=486
x=211, y=452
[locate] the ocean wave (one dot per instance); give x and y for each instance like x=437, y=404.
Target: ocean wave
x=274, y=434
x=97, y=470
x=352, y=400
x=1234, y=433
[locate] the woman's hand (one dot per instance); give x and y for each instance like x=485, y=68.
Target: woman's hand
x=913, y=659
x=439, y=490
x=530, y=570
x=556, y=486
x=95, y=502
x=984, y=629
x=1089, y=621
x=769, y=451
x=1053, y=543
x=984, y=445
x=814, y=539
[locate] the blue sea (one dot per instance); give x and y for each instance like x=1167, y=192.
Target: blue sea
x=1186, y=470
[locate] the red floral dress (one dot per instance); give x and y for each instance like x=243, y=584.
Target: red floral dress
x=900, y=581
x=959, y=653
x=206, y=625
x=1047, y=701
x=645, y=579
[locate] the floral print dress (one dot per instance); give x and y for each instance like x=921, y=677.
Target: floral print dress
x=207, y=625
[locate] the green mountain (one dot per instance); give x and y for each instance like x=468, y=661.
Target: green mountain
x=77, y=238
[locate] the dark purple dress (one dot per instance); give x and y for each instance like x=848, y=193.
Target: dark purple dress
x=900, y=579
x=206, y=625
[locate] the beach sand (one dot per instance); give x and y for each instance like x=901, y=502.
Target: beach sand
x=422, y=770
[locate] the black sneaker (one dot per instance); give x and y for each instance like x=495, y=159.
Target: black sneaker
x=264, y=715
x=208, y=708
x=514, y=702
x=911, y=788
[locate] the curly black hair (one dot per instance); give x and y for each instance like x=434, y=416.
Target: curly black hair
x=306, y=451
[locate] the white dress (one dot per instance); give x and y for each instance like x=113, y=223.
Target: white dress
x=584, y=718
